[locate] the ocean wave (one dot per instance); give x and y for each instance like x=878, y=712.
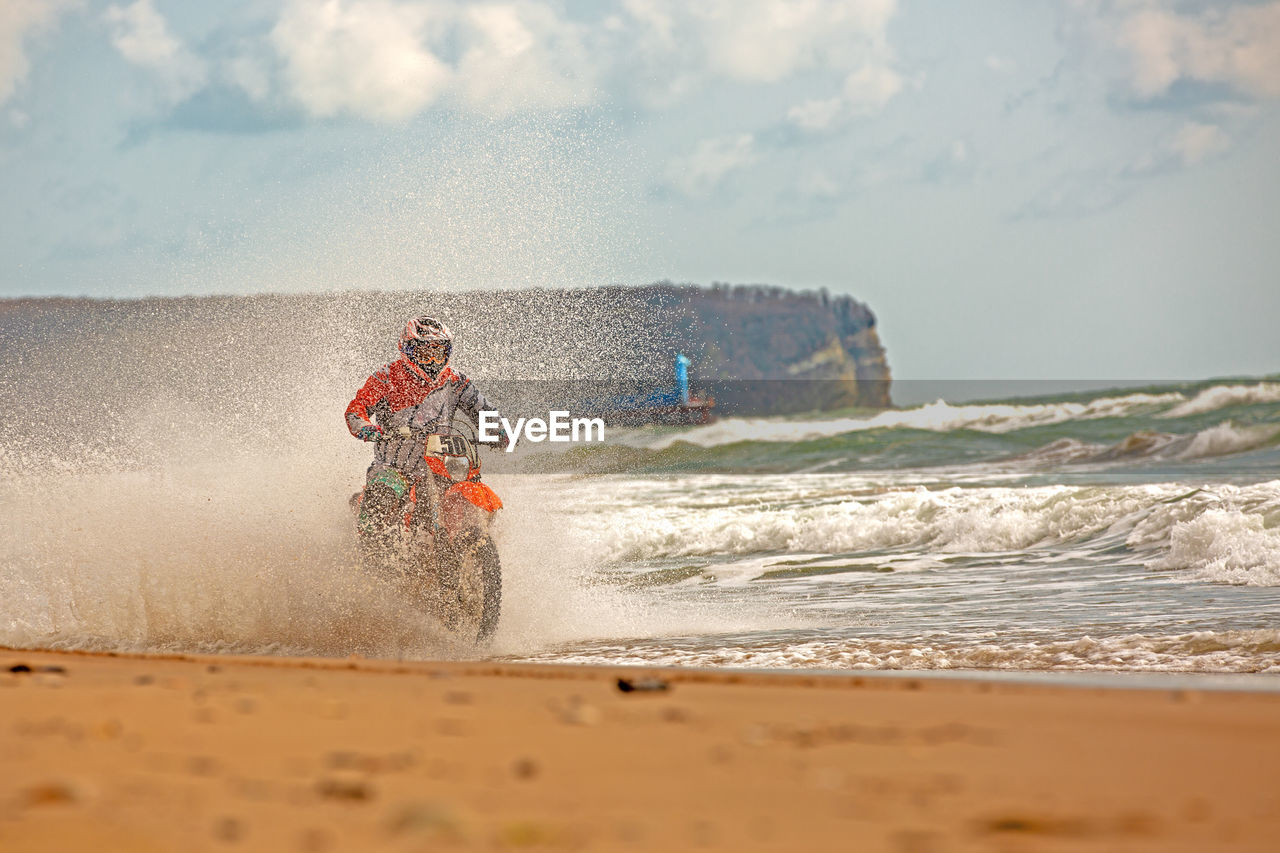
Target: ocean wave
x=1219, y=440
x=1226, y=546
x=1222, y=396
x=1226, y=535
x=1226, y=438
x=1064, y=451
x=949, y=520
x=939, y=416
x=1201, y=651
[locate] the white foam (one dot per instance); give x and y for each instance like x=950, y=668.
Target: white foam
x=1227, y=546
x=948, y=520
x=1166, y=526
x=1226, y=438
x=1221, y=396
x=1219, y=440
x=1202, y=651
x=939, y=416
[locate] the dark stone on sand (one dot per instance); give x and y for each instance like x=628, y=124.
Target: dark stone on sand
x=350, y=790
x=642, y=685
x=316, y=840
x=202, y=765
x=51, y=794
x=228, y=829
x=19, y=668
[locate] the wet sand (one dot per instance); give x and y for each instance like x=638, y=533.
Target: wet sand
x=140, y=753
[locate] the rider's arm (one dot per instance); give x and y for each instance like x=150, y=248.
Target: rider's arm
x=374, y=390
x=472, y=402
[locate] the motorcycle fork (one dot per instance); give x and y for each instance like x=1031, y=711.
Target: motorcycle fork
x=432, y=540
x=429, y=521
x=410, y=507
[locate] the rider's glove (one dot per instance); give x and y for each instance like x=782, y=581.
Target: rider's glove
x=500, y=443
x=370, y=432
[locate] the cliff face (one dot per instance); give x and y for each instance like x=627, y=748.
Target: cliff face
x=770, y=350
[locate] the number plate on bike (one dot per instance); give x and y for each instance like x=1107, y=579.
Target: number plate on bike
x=447, y=445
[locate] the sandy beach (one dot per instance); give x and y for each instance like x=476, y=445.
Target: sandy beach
x=121, y=752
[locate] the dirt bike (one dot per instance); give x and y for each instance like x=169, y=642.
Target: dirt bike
x=431, y=534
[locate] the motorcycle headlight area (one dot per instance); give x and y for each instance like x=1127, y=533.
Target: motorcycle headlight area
x=457, y=466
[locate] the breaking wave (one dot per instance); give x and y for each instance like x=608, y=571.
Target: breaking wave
x=1228, y=546
x=1221, y=439
x=1115, y=429
x=939, y=416
x=1228, y=535
x=1222, y=396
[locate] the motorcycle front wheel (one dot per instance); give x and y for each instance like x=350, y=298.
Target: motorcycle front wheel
x=491, y=573
x=479, y=579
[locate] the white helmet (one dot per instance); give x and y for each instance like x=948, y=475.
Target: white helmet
x=427, y=343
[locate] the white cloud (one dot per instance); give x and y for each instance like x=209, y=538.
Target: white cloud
x=1194, y=142
x=761, y=41
x=817, y=184
x=1237, y=45
x=364, y=57
x=866, y=91
x=766, y=41
x=703, y=170
x=140, y=34
x=382, y=59
x=657, y=18
x=816, y=114
x=248, y=74
x=871, y=87
x=522, y=55
x=1000, y=64
x=19, y=20
x=389, y=60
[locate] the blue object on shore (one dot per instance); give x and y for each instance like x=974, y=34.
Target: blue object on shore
x=682, y=378
x=671, y=405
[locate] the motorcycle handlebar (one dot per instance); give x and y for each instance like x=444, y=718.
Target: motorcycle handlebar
x=407, y=433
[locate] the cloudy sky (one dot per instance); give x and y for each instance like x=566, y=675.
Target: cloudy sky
x=1019, y=188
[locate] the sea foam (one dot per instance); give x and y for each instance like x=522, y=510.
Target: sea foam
x=1221, y=396
x=1226, y=534
x=939, y=416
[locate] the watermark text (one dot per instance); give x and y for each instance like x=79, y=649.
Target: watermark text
x=557, y=427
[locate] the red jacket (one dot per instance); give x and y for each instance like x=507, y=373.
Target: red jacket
x=400, y=395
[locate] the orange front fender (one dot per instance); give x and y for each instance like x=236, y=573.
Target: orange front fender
x=468, y=505
x=477, y=494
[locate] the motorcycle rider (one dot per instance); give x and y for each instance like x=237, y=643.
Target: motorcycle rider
x=419, y=390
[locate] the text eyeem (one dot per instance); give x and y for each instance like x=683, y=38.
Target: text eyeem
x=558, y=426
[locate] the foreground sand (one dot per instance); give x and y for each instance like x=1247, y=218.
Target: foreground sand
x=102, y=752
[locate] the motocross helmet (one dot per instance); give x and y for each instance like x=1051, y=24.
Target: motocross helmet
x=427, y=343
